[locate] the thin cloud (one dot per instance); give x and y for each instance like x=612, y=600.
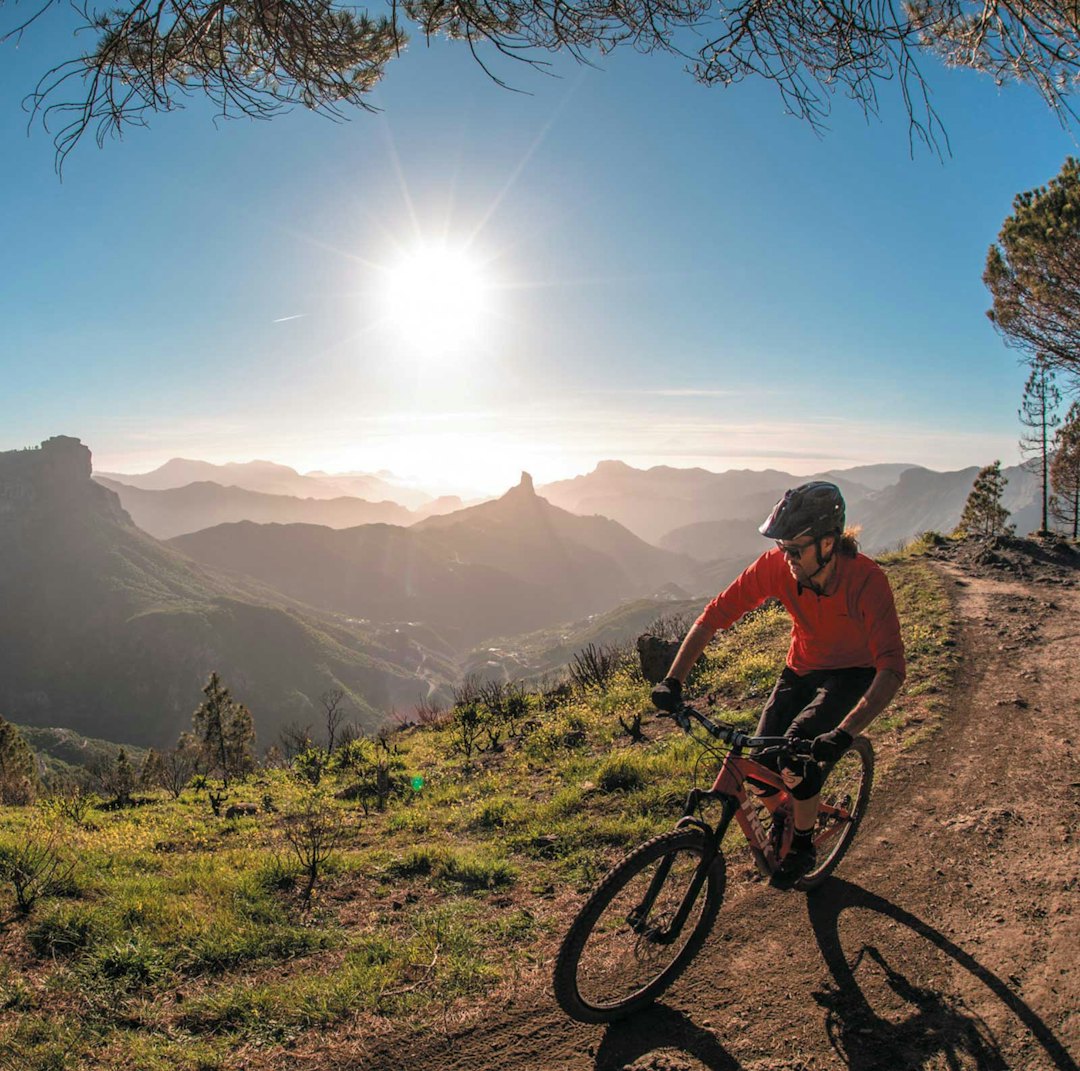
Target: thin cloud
x=686, y=392
x=286, y=319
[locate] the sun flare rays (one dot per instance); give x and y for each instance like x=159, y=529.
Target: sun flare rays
x=436, y=298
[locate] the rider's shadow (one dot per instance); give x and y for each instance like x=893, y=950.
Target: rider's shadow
x=916, y=1027
x=929, y=1026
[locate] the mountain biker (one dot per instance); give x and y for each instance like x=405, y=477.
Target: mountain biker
x=846, y=659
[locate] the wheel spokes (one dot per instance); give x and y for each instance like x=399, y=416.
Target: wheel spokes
x=632, y=943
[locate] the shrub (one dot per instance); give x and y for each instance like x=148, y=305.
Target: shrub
x=33, y=868
x=19, y=782
x=312, y=834
x=310, y=764
x=670, y=627
x=595, y=667
x=467, y=725
x=73, y=800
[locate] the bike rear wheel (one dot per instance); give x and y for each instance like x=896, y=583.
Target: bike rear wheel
x=844, y=799
x=618, y=957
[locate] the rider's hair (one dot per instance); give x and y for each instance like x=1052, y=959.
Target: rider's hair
x=848, y=543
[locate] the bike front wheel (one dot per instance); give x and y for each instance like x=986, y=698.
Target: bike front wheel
x=844, y=799
x=626, y=945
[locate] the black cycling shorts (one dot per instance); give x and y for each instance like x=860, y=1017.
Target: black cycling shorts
x=809, y=705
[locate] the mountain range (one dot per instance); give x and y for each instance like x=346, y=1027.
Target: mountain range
x=714, y=516
x=511, y=565
x=174, y=511
x=268, y=477
x=109, y=632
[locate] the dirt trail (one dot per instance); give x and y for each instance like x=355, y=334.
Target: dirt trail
x=950, y=938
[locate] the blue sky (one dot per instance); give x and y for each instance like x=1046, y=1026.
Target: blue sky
x=674, y=275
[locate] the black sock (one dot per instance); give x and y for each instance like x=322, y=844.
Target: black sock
x=803, y=838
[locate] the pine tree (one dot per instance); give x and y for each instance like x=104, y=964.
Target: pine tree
x=209, y=722
x=225, y=730
x=19, y=782
x=984, y=515
x=1065, y=472
x=1038, y=413
x=124, y=779
x=239, y=736
x=115, y=777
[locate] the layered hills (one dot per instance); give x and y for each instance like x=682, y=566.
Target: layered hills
x=511, y=565
x=267, y=477
x=713, y=517
x=708, y=516
x=109, y=632
x=655, y=502
x=178, y=510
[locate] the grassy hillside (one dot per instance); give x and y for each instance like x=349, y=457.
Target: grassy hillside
x=181, y=941
x=63, y=753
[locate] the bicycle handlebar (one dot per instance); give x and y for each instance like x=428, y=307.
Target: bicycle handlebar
x=730, y=735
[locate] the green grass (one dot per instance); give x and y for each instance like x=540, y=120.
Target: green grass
x=179, y=937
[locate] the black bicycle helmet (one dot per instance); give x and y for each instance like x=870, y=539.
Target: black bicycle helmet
x=815, y=509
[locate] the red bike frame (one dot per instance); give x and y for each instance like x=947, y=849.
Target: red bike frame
x=739, y=801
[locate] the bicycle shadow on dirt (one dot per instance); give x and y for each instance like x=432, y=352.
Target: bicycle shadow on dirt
x=937, y=1026
x=656, y=1028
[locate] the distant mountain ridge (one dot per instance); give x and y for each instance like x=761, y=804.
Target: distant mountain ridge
x=112, y=634
x=268, y=477
x=179, y=510
x=511, y=565
x=713, y=517
x=655, y=502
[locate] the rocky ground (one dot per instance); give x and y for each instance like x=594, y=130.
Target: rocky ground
x=950, y=936
x=1049, y=561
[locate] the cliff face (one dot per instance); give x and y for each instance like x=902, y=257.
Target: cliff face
x=52, y=481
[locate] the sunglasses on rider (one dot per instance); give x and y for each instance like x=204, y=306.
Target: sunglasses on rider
x=792, y=550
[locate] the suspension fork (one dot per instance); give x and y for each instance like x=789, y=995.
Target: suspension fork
x=713, y=837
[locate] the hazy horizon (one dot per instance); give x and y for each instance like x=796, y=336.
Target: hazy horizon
x=465, y=490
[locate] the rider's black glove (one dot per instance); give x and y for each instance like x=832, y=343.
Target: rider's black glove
x=667, y=695
x=828, y=747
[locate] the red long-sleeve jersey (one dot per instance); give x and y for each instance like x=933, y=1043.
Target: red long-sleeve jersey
x=854, y=627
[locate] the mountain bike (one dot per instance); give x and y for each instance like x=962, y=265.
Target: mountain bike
x=651, y=914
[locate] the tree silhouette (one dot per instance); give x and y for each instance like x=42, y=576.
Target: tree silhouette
x=1033, y=272
x=1065, y=472
x=253, y=58
x=1038, y=414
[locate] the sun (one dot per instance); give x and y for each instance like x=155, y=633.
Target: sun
x=436, y=298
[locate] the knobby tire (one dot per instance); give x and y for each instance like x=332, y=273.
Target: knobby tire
x=602, y=951
x=852, y=776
